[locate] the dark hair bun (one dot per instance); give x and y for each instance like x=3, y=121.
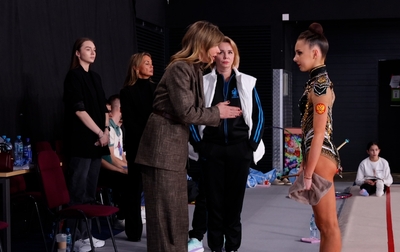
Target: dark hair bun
x=316, y=28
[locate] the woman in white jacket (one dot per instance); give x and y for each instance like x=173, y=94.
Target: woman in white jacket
x=373, y=174
x=227, y=151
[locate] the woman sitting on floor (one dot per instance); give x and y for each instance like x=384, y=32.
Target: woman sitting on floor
x=373, y=175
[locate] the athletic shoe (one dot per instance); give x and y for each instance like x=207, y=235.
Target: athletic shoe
x=286, y=181
x=81, y=246
x=96, y=242
x=277, y=182
x=364, y=192
x=195, y=245
x=311, y=240
x=379, y=188
x=143, y=214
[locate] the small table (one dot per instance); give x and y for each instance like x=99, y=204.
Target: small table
x=5, y=186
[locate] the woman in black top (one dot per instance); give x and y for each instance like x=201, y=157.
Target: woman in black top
x=86, y=130
x=136, y=105
x=228, y=150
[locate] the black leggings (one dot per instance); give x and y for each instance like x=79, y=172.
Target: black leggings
x=371, y=189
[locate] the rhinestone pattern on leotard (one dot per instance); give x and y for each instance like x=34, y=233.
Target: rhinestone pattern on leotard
x=318, y=84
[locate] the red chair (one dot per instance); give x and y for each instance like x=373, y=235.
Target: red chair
x=3, y=225
x=19, y=196
x=57, y=198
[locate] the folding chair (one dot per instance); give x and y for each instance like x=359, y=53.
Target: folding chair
x=20, y=196
x=57, y=198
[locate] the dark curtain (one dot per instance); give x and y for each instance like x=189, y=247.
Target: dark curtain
x=35, y=49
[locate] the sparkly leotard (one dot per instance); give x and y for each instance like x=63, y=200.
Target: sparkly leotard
x=318, y=84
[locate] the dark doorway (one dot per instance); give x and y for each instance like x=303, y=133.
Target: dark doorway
x=389, y=113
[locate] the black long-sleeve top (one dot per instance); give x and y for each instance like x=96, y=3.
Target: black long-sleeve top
x=136, y=107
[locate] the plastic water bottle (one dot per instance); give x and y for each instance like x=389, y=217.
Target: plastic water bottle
x=9, y=144
x=3, y=145
x=313, y=228
x=27, y=152
x=69, y=240
x=18, y=152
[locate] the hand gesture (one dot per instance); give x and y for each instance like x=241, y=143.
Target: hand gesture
x=226, y=111
x=369, y=182
x=308, y=180
x=103, y=140
x=307, y=183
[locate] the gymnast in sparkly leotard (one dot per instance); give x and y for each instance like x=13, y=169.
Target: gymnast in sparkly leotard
x=320, y=155
x=318, y=84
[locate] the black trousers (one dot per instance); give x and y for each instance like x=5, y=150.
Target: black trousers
x=199, y=221
x=371, y=189
x=225, y=175
x=82, y=174
x=118, y=183
x=133, y=218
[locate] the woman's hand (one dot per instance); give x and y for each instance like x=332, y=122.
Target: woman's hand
x=226, y=111
x=307, y=178
x=369, y=182
x=307, y=183
x=103, y=139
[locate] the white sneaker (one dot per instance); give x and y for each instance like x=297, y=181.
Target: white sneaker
x=195, y=245
x=96, y=242
x=143, y=213
x=286, y=181
x=81, y=246
x=277, y=182
x=379, y=188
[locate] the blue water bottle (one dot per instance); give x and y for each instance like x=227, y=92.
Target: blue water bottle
x=313, y=228
x=3, y=145
x=69, y=240
x=9, y=145
x=27, y=152
x=18, y=152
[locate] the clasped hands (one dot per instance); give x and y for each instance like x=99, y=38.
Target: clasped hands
x=369, y=182
x=103, y=140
